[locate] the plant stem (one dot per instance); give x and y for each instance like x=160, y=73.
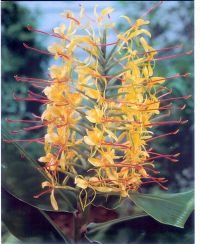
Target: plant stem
x=80, y=220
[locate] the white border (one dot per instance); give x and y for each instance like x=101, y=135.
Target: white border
x=197, y=119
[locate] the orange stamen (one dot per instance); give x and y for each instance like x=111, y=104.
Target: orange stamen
x=74, y=19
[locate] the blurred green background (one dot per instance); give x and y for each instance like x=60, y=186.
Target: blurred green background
x=171, y=24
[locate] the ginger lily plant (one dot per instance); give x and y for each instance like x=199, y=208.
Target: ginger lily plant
x=101, y=103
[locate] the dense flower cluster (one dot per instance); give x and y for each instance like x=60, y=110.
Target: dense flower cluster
x=102, y=101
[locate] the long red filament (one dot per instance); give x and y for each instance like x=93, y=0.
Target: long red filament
x=37, y=50
x=155, y=153
x=161, y=49
x=165, y=94
x=31, y=93
x=29, y=99
x=173, y=56
x=167, y=107
x=151, y=9
x=162, y=116
x=36, y=86
x=43, y=52
x=42, y=193
x=23, y=120
x=156, y=157
x=167, y=78
x=28, y=129
x=30, y=28
x=154, y=180
x=167, y=122
x=31, y=79
x=115, y=144
x=38, y=140
x=36, y=116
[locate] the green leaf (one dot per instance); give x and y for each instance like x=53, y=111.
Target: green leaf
x=112, y=53
x=22, y=179
x=144, y=230
x=103, y=41
x=94, y=229
x=172, y=209
x=29, y=224
x=116, y=76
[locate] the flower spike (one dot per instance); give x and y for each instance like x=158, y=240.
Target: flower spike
x=98, y=123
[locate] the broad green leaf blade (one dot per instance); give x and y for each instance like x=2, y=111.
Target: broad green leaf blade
x=172, y=209
x=29, y=224
x=22, y=179
x=94, y=229
x=144, y=230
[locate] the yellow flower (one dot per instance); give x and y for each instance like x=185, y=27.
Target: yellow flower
x=95, y=115
x=104, y=12
x=81, y=183
x=52, y=197
x=60, y=30
x=50, y=159
x=56, y=49
x=95, y=94
x=94, y=137
x=58, y=72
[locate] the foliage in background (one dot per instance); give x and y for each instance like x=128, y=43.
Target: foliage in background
x=16, y=59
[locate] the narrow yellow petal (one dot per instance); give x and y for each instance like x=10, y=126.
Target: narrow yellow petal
x=105, y=12
x=88, y=141
x=103, y=189
x=95, y=161
x=144, y=44
x=81, y=183
x=127, y=19
x=53, y=201
x=62, y=161
x=139, y=32
x=95, y=94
